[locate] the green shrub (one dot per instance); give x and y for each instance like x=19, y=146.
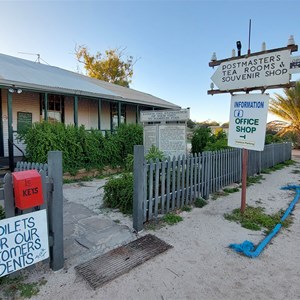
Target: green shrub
x=129, y=163
x=154, y=153
x=273, y=138
x=254, y=218
x=81, y=148
x=172, y=218
x=118, y=193
x=129, y=135
x=200, y=202
x=204, y=140
x=200, y=139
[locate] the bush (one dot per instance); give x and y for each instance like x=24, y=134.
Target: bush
x=200, y=139
x=81, y=148
x=204, y=140
x=118, y=193
x=128, y=135
x=271, y=138
x=154, y=153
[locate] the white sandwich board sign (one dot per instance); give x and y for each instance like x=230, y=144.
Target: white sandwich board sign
x=254, y=71
x=23, y=241
x=248, y=119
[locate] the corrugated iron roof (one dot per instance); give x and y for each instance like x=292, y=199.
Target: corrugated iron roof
x=32, y=75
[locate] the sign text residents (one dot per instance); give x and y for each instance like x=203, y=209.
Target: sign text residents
x=23, y=241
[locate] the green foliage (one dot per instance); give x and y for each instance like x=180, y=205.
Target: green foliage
x=81, y=148
x=154, y=153
x=14, y=288
x=129, y=163
x=272, y=138
x=171, y=218
x=186, y=208
x=287, y=108
x=218, y=194
x=118, y=193
x=217, y=142
x=110, y=67
x=278, y=167
x=254, y=179
x=127, y=136
x=231, y=190
x=190, y=124
x=2, y=213
x=254, y=218
x=200, y=202
x=204, y=140
x=200, y=139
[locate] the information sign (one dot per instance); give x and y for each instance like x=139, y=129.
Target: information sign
x=254, y=71
x=248, y=118
x=172, y=140
x=23, y=241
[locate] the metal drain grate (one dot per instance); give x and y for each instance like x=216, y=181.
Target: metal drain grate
x=114, y=263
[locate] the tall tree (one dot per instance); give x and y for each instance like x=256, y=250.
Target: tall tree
x=111, y=66
x=287, y=107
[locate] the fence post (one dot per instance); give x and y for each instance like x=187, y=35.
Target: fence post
x=56, y=210
x=138, y=187
x=9, y=203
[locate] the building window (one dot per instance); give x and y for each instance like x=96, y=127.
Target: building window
x=55, y=108
x=114, y=109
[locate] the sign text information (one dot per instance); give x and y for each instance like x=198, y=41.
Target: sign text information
x=247, y=125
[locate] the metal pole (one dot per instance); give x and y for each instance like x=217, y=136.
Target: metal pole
x=249, y=37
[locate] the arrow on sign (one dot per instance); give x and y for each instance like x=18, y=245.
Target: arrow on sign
x=261, y=70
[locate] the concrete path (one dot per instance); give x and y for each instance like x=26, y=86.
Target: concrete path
x=89, y=229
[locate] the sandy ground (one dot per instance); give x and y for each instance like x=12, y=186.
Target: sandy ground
x=200, y=265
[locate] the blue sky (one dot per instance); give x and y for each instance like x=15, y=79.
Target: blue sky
x=173, y=40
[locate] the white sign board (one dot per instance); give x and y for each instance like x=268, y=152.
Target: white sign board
x=254, y=71
x=164, y=115
x=248, y=119
x=172, y=140
x=150, y=136
x=295, y=64
x=23, y=241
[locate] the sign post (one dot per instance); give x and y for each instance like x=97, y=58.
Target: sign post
x=247, y=129
x=263, y=70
